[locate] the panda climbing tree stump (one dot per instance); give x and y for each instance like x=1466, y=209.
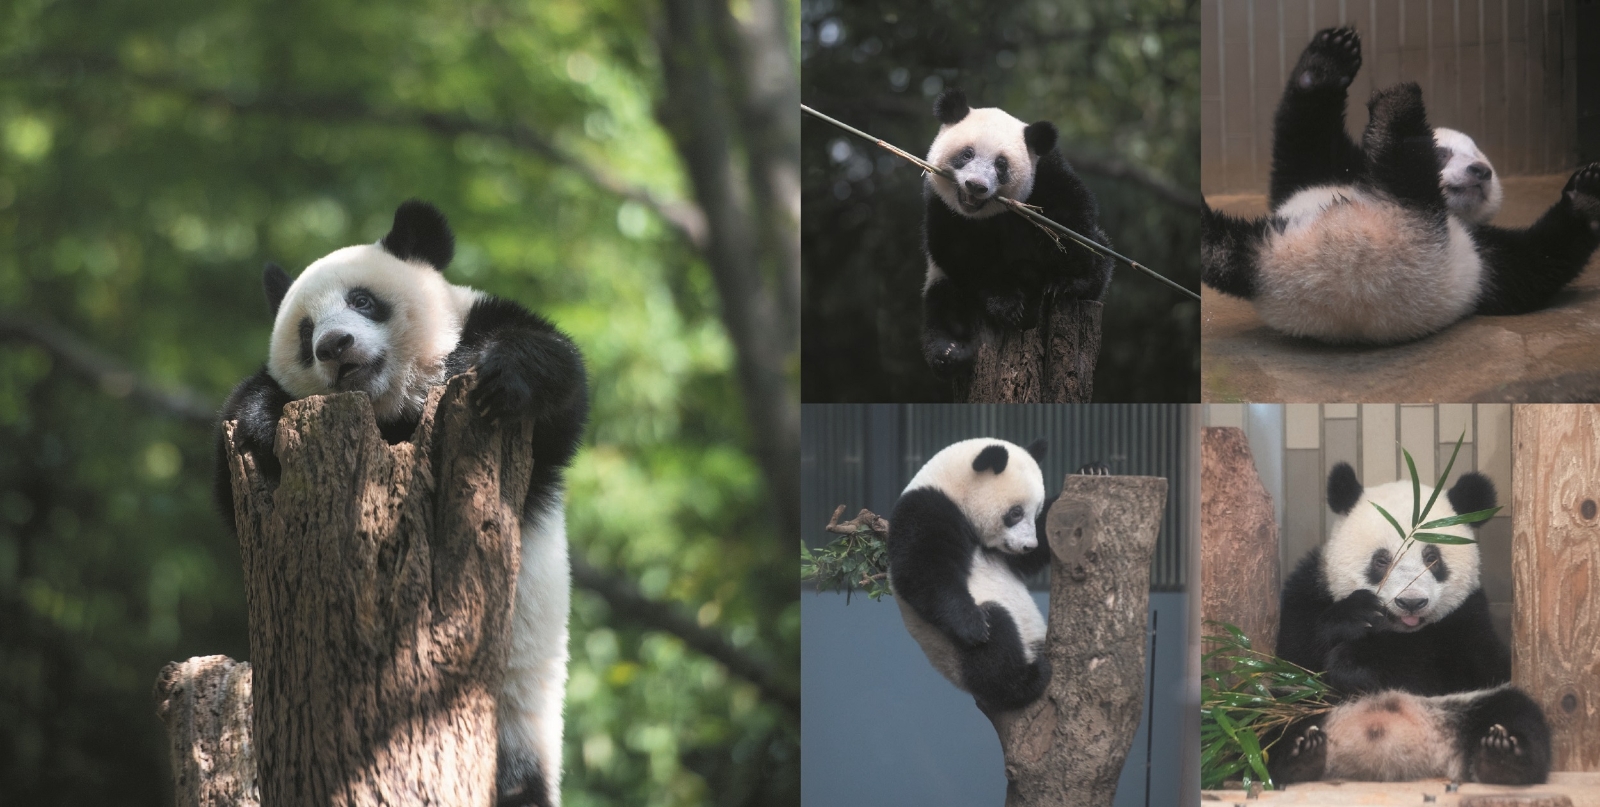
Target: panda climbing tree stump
x=379, y=584
x=1051, y=363
x=1070, y=745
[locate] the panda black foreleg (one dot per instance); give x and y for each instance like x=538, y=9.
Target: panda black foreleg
x=1400, y=149
x=1229, y=249
x=1309, y=143
x=951, y=327
x=997, y=672
x=256, y=406
x=1525, y=268
x=1506, y=739
x=1356, y=616
x=1300, y=753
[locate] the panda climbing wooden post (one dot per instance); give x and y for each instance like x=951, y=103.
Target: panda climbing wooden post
x=1069, y=746
x=379, y=583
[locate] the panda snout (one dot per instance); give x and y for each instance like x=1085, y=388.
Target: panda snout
x=977, y=190
x=1411, y=605
x=332, y=346
x=1480, y=171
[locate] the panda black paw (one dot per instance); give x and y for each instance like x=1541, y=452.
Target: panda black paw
x=519, y=783
x=1010, y=310
x=1353, y=617
x=1499, y=741
x=1094, y=469
x=502, y=391
x=1331, y=60
x=1583, y=192
x=947, y=357
x=970, y=629
x=1303, y=758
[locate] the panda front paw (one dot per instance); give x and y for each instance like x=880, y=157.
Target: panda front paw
x=1095, y=468
x=947, y=357
x=1330, y=60
x=1583, y=192
x=1010, y=310
x=1353, y=617
x=502, y=391
x=970, y=629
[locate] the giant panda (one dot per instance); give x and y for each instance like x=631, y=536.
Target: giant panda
x=1386, y=242
x=382, y=319
x=964, y=537
x=1407, y=646
x=990, y=269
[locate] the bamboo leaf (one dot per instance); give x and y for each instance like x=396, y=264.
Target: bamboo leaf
x=1465, y=518
x=1442, y=538
x=1396, y=524
x=1416, y=489
x=1446, y=475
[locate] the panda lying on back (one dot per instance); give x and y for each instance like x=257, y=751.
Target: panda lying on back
x=1386, y=241
x=1408, y=643
x=382, y=319
x=988, y=268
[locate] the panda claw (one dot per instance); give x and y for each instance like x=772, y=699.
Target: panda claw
x=1500, y=741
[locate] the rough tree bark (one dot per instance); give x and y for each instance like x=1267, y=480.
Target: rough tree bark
x=378, y=584
x=1053, y=363
x=1068, y=747
x=1239, y=539
x=205, y=703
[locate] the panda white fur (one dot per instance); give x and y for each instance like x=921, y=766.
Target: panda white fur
x=989, y=269
x=962, y=538
x=1387, y=241
x=1405, y=642
x=381, y=318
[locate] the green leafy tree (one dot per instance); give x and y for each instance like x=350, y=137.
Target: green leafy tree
x=154, y=155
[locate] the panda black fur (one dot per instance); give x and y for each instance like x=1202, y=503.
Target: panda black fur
x=962, y=539
x=1424, y=680
x=381, y=318
x=988, y=268
x=1386, y=242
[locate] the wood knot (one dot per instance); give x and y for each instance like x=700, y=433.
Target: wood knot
x=1077, y=573
x=1569, y=703
x=1588, y=509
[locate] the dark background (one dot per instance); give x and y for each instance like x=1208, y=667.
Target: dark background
x=1120, y=80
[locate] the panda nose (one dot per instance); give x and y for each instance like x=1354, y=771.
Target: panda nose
x=1481, y=171
x=333, y=345
x=977, y=188
x=1411, y=604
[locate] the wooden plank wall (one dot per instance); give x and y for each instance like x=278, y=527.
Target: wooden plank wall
x=1555, y=649
x=1499, y=70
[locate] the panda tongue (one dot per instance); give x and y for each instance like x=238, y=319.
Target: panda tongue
x=1410, y=621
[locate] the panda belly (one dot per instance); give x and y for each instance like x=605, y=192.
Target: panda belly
x=1353, y=266
x=1392, y=736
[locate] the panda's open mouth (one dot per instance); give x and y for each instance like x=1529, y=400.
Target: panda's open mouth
x=357, y=375
x=967, y=204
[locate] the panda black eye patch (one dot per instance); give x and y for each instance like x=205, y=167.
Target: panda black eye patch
x=1002, y=169
x=1434, y=559
x=1443, y=154
x=1378, y=567
x=1013, y=515
x=369, y=305
x=963, y=157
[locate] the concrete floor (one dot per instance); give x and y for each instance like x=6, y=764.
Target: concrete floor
x=1547, y=356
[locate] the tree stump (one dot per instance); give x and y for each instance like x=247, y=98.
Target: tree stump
x=1238, y=539
x=1051, y=363
x=1068, y=747
x=379, y=583
x=205, y=703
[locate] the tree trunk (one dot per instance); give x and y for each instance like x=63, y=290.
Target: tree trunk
x=1068, y=747
x=379, y=582
x=1053, y=363
x=1238, y=539
x=205, y=703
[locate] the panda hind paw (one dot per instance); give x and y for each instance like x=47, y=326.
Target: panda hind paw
x=1498, y=740
x=1583, y=191
x=1330, y=60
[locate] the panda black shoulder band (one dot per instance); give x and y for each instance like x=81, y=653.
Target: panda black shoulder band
x=1016, y=207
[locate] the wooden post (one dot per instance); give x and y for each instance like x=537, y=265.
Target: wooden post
x=1068, y=747
x=1555, y=623
x=379, y=583
x=1049, y=364
x=1238, y=539
x=205, y=703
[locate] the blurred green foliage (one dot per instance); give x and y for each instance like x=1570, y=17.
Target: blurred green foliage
x=1120, y=78
x=153, y=155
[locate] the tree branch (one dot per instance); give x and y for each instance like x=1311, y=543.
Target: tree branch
x=626, y=599
x=113, y=377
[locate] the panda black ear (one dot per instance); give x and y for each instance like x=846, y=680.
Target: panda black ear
x=1038, y=448
x=1344, y=489
x=951, y=106
x=991, y=458
x=420, y=232
x=1471, y=493
x=1040, y=137
x=276, y=282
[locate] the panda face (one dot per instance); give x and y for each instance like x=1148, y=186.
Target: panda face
x=1425, y=583
x=990, y=152
x=997, y=485
x=363, y=319
x=1471, y=187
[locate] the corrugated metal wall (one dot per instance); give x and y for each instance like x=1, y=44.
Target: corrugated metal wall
x=862, y=455
x=1311, y=438
x=1500, y=70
